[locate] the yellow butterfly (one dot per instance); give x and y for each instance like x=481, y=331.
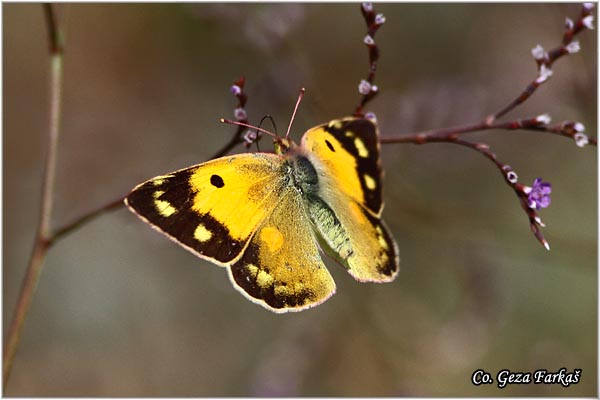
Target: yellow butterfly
x=265, y=216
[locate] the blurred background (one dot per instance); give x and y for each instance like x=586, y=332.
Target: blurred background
x=122, y=311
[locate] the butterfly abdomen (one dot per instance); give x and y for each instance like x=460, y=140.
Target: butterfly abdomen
x=323, y=218
x=329, y=227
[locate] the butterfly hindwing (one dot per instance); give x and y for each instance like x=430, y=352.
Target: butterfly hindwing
x=281, y=268
x=362, y=243
x=212, y=209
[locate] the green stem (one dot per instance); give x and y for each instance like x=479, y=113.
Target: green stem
x=29, y=284
x=43, y=235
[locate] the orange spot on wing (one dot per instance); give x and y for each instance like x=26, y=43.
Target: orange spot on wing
x=272, y=238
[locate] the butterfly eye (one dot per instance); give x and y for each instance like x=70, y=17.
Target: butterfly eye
x=329, y=145
x=217, y=181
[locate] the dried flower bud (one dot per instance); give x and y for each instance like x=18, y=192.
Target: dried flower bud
x=569, y=23
x=250, y=136
x=539, y=221
x=368, y=40
x=581, y=139
x=544, y=119
x=573, y=47
x=579, y=127
x=588, y=21
x=538, y=52
x=374, y=88
x=512, y=176
x=379, y=19
x=235, y=90
x=364, y=87
x=588, y=6
x=240, y=114
x=367, y=7
x=546, y=244
x=572, y=127
x=545, y=74
x=371, y=116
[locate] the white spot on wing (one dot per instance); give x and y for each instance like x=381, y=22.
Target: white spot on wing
x=361, y=148
x=370, y=182
x=202, y=234
x=163, y=207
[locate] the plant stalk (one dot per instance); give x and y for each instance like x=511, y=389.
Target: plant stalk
x=43, y=234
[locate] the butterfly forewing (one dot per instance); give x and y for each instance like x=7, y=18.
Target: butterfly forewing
x=348, y=151
x=212, y=209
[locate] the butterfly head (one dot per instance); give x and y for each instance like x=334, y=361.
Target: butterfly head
x=283, y=145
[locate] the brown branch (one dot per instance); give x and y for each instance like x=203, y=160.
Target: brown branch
x=510, y=177
x=570, y=129
x=452, y=135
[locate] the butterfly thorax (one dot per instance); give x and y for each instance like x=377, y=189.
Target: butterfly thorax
x=299, y=168
x=304, y=175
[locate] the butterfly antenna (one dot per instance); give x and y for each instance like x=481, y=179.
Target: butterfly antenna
x=300, y=95
x=228, y=121
x=272, y=122
x=260, y=124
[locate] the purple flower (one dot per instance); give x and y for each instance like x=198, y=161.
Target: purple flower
x=235, y=90
x=538, y=196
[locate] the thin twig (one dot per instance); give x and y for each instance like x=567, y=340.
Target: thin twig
x=545, y=60
x=241, y=116
x=570, y=129
x=511, y=179
x=71, y=226
x=54, y=40
x=367, y=88
x=42, y=238
x=565, y=128
x=234, y=141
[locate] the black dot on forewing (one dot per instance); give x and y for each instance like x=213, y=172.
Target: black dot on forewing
x=217, y=181
x=329, y=145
